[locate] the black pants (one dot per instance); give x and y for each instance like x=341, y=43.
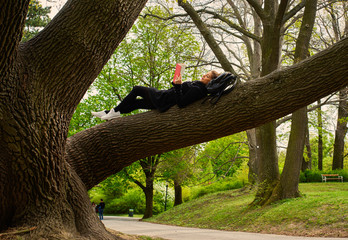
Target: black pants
x=131, y=103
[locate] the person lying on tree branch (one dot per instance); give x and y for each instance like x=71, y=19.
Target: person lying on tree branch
x=182, y=94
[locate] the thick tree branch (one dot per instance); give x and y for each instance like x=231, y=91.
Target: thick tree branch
x=105, y=149
x=164, y=18
x=278, y=23
x=79, y=41
x=311, y=109
x=232, y=25
x=11, y=28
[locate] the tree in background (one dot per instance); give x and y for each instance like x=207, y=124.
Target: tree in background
x=341, y=130
x=289, y=180
x=339, y=21
x=179, y=167
x=226, y=155
x=149, y=166
x=36, y=19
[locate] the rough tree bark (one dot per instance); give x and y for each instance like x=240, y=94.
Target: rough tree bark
x=44, y=176
x=41, y=83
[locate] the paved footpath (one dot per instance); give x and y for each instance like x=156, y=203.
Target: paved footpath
x=133, y=226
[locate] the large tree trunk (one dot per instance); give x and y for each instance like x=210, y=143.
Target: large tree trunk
x=266, y=134
x=341, y=130
x=41, y=83
x=288, y=185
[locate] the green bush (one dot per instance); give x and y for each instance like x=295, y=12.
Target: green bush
x=315, y=175
x=133, y=199
x=225, y=184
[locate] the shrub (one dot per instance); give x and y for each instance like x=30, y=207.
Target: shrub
x=225, y=184
x=133, y=199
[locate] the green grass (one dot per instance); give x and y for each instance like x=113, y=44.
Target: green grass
x=321, y=211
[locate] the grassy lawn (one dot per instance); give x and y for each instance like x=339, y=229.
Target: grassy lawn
x=321, y=211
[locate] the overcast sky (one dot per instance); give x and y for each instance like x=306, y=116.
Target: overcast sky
x=55, y=5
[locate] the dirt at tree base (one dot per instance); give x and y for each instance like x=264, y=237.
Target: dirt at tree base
x=123, y=236
x=22, y=234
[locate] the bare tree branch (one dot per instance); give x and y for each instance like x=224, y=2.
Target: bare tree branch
x=258, y=9
x=232, y=25
x=293, y=11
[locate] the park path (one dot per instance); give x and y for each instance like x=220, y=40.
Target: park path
x=133, y=226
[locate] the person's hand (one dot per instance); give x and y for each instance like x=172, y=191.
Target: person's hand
x=178, y=80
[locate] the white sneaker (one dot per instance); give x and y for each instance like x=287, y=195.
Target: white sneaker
x=112, y=114
x=99, y=114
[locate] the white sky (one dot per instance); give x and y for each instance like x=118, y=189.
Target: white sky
x=55, y=5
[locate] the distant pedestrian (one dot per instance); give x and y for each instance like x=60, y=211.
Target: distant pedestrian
x=101, y=207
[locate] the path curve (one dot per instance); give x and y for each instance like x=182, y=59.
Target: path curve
x=133, y=226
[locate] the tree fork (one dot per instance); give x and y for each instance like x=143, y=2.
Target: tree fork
x=41, y=83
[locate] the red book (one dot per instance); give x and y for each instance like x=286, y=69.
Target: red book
x=179, y=70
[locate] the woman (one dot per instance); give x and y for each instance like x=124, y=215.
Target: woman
x=181, y=94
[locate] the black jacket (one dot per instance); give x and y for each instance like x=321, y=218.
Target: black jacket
x=181, y=94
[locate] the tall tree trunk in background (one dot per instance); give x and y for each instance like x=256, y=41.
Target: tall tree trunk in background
x=289, y=180
x=149, y=199
x=307, y=162
x=342, y=118
x=320, y=137
x=266, y=134
x=341, y=130
x=255, y=66
x=177, y=193
x=253, y=162
x=149, y=166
